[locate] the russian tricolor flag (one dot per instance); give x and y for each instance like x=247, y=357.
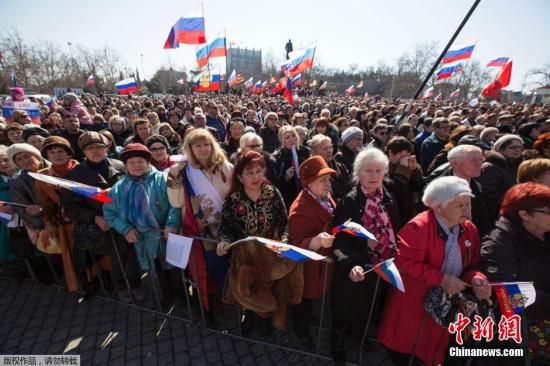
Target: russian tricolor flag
x=127, y=86
x=188, y=29
x=216, y=48
x=323, y=86
x=296, y=80
x=389, y=273
x=455, y=94
x=288, y=91
x=428, y=93
x=207, y=82
x=448, y=71
x=459, y=53
x=288, y=251
x=91, y=80
x=249, y=83
x=354, y=229
x=85, y=190
x=300, y=60
x=499, y=62
x=5, y=217
x=514, y=297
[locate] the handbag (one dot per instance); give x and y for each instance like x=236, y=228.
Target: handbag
x=47, y=243
x=88, y=236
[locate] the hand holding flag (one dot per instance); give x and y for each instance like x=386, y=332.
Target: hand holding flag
x=389, y=273
x=287, y=251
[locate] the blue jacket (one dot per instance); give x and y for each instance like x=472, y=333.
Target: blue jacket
x=430, y=147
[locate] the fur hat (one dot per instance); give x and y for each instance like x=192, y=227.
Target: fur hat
x=91, y=137
x=21, y=148
x=135, y=150
x=56, y=141
x=350, y=133
x=505, y=139
x=312, y=169
x=157, y=138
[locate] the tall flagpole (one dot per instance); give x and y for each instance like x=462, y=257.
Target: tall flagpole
x=434, y=67
x=312, y=61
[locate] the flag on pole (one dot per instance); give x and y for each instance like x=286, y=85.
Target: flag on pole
x=459, y=52
x=257, y=87
x=428, y=93
x=455, y=94
x=127, y=86
x=216, y=48
x=189, y=29
x=91, y=80
x=502, y=80
x=232, y=78
x=300, y=60
x=249, y=83
x=323, y=86
x=296, y=80
x=85, y=190
x=514, y=297
x=498, y=62
x=350, y=90
x=389, y=273
x=448, y=71
x=207, y=81
x=354, y=229
x=288, y=91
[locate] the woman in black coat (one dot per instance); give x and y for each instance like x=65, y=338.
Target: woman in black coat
x=350, y=288
x=518, y=249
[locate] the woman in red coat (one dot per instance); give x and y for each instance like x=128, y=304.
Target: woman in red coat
x=310, y=221
x=439, y=247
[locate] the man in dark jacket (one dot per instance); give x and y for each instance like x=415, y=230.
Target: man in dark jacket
x=435, y=142
x=71, y=132
x=99, y=171
x=213, y=120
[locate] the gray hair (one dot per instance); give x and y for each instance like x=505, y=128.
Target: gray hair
x=117, y=118
x=325, y=112
x=369, y=155
x=443, y=190
x=248, y=138
x=318, y=140
x=459, y=152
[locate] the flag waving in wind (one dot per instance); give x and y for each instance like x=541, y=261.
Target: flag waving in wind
x=354, y=229
x=300, y=60
x=91, y=80
x=126, y=86
x=189, y=29
x=428, y=93
x=216, y=48
x=499, y=62
x=455, y=94
x=448, y=71
x=85, y=190
x=502, y=80
x=460, y=52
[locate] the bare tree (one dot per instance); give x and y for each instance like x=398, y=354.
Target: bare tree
x=543, y=73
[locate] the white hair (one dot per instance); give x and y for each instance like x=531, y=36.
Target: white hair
x=248, y=138
x=369, y=155
x=443, y=190
x=459, y=152
x=325, y=112
x=317, y=140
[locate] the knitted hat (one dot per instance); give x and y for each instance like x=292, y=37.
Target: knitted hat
x=350, y=133
x=475, y=141
x=21, y=148
x=312, y=169
x=505, y=139
x=135, y=150
x=91, y=137
x=56, y=141
x=35, y=130
x=157, y=138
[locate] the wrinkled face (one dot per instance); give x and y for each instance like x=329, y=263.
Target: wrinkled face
x=457, y=210
x=470, y=165
x=27, y=162
x=371, y=175
x=95, y=153
x=58, y=155
x=158, y=151
x=290, y=139
x=36, y=141
x=6, y=166
x=202, y=151
x=324, y=150
x=320, y=186
x=252, y=177
x=539, y=219
x=137, y=166
x=254, y=145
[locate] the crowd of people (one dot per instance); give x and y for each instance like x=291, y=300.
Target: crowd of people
x=459, y=195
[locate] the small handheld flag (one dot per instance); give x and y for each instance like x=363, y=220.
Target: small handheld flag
x=5, y=217
x=389, y=273
x=82, y=189
x=354, y=229
x=514, y=297
x=287, y=251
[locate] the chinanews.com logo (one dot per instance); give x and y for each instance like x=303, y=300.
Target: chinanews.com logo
x=508, y=329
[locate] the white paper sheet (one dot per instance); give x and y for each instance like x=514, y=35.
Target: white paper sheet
x=178, y=249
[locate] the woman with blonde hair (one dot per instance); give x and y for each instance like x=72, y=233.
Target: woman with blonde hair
x=199, y=186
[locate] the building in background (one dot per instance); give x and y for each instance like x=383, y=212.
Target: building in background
x=246, y=61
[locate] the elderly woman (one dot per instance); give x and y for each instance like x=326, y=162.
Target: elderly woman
x=199, y=187
x=7, y=170
x=288, y=180
x=236, y=130
x=341, y=184
x=252, y=142
x=447, y=256
x=372, y=206
x=59, y=152
x=499, y=171
x=159, y=148
x=534, y=170
x=310, y=219
x=517, y=250
x=117, y=126
x=140, y=211
x=256, y=208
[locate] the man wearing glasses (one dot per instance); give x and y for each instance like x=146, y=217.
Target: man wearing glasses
x=379, y=135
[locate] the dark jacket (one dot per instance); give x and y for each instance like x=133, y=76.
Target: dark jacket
x=498, y=174
x=429, y=149
x=341, y=181
x=218, y=125
x=230, y=147
x=406, y=186
x=120, y=137
x=510, y=253
x=73, y=140
x=270, y=139
x=346, y=157
x=283, y=160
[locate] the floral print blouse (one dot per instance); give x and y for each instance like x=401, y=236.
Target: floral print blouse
x=266, y=218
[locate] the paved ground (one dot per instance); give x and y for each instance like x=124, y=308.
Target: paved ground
x=38, y=319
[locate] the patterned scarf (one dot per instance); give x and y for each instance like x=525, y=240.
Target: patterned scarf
x=324, y=202
x=376, y=220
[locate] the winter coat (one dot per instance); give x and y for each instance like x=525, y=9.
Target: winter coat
x=307, y=218
x=431, y=146
x=510, y=253
x=270, y=139
x=420, y=256
x=283, y=160
x=346, y=157
x=78, y=109
x=341, y=182
x=406, y=186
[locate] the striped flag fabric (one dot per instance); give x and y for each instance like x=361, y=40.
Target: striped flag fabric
x=429, y=93
x=350, y=90
x=354, y=229
x=455, y=94
x=216, y=48
x=291, y=252
x=459, y=52
x=323, y=86
x=249, y=83
x=91, y=80
x=514, y=297
x=448, y=71
x=498, y=62
x=389, y=273
x=126, y=86
x=189, y=29
x=296, y=80
x=300, y=60
x=85, y=190
x=5, y=217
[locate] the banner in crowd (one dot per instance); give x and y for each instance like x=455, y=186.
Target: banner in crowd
x=32, y=109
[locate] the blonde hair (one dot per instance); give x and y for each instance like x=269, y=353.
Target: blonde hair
x=248, y=138
x=217, y=156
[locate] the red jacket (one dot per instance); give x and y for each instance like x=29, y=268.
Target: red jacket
x=420, y=255
x=307, y=219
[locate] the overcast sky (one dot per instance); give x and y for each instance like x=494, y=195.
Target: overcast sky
x=362, y=32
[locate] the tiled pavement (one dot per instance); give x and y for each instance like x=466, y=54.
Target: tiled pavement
x=38, y=319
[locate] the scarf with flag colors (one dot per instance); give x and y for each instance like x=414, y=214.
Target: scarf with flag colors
x=127, y=86
x=461, y=52
x=85, y=190
x=189, y=29
x=514, y=297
